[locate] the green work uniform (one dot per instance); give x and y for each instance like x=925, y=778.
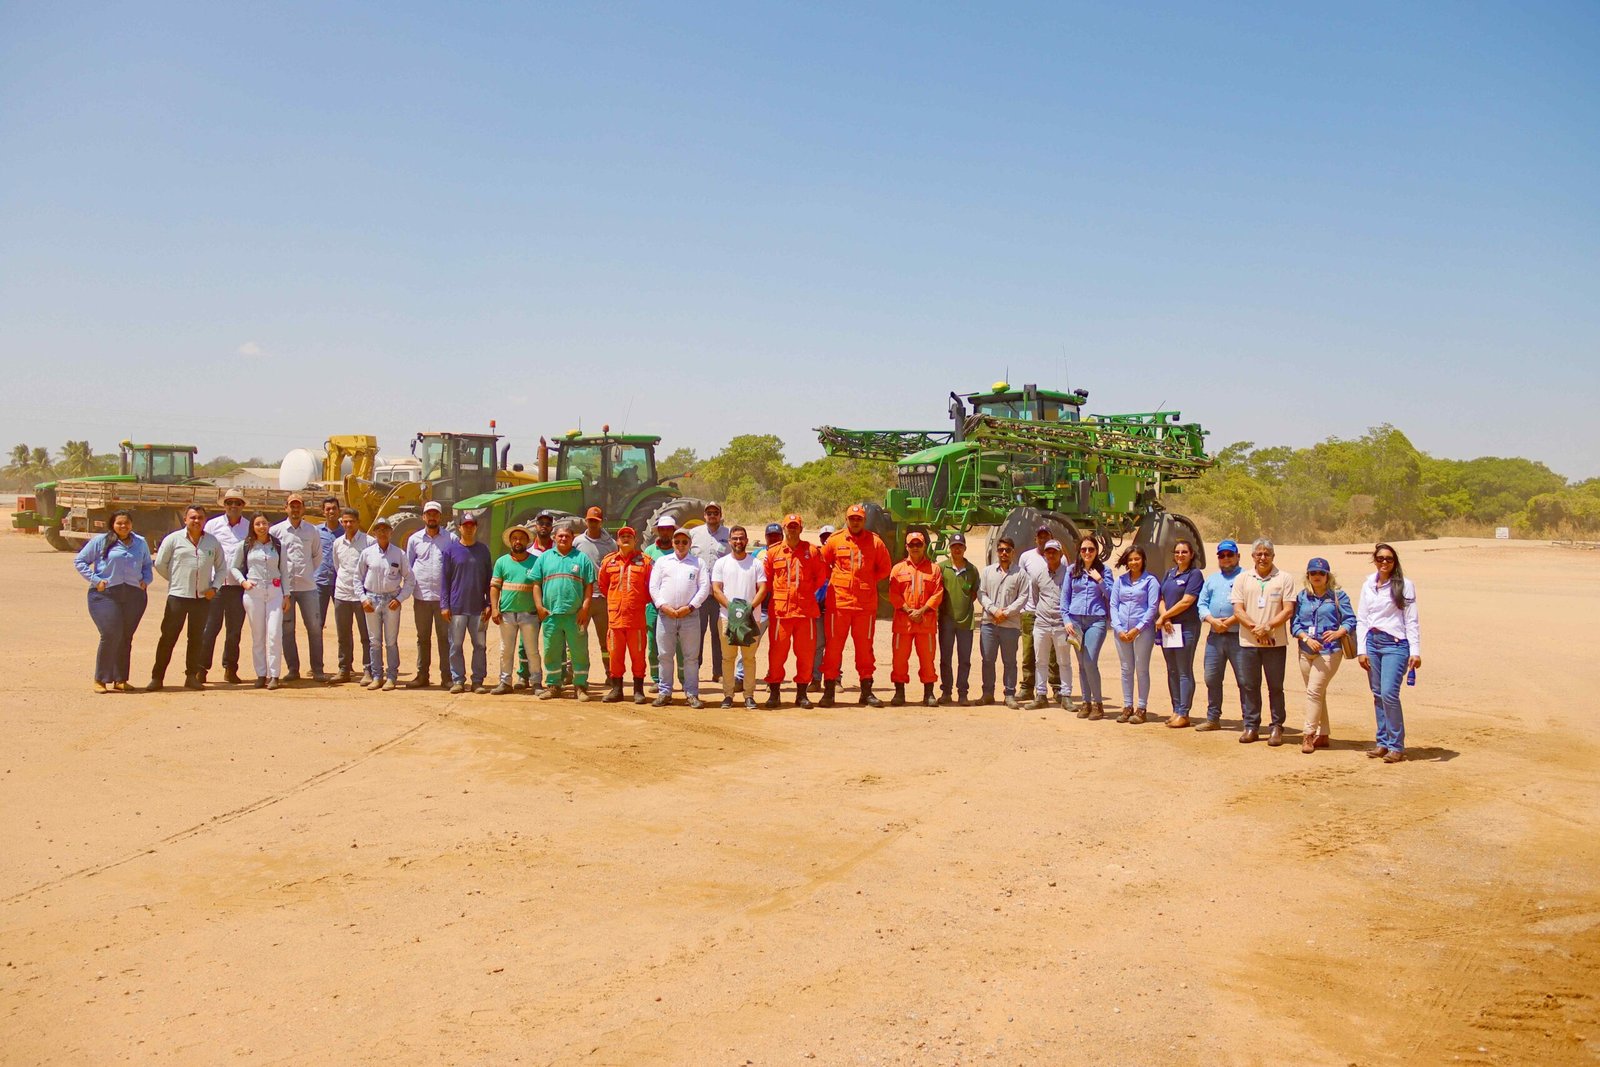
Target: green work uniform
x=651, y=655
x=564, y=583
x=960, y=588
x=513, y=574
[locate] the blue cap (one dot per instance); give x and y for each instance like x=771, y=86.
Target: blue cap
x=774, y=528
x=1228, y=546
x=1318, y=564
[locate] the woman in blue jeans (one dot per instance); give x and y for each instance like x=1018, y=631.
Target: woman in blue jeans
x=1179, y=613
x=1088, y=596
x=118, y=568
x=1389, y=645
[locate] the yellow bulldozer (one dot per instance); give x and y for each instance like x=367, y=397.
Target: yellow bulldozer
x=359, y=489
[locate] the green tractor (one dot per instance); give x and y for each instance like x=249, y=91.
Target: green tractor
x=70, y=511
x=1019, y=459
x=615, y=471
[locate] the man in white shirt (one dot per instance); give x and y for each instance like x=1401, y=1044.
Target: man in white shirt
x=739, y=576
x=347, y=597
x=679, y=584
x=425, y=557
x=385, y=579
x=227, y=607
x=302, y=557
x=710, y=543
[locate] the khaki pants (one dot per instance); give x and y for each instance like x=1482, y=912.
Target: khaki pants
x=1318, y=671
x=746, y=655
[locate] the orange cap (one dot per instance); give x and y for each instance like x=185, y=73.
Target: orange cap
x=856, y=509
x=594, y=513
x=793, y=520
x=916, y=535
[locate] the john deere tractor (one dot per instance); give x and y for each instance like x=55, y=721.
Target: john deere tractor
x=1018, y=459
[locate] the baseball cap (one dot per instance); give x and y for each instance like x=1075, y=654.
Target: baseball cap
x=1042, y=530
x=825, y=530
x=545, y=514
x=666, y=522
x=469, y=517
x=293, y=497
x=595, y=513
x=1052, y=543
x=1318, y=564
x=680, y=533
x=957, y=539
x=381, y=521
x=793, y=520
x=432, y=505
x=773, y=528
x=857, y=509
x=1228, y=546
x=711, y=504
x=629, y=530
x=916, y=535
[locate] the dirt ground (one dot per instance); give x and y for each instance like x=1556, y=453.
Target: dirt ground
x=330, y=876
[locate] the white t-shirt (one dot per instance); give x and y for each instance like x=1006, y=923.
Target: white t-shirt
x=739, y=577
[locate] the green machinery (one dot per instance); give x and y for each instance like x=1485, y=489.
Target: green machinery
x=615, y=471
x=153, y=483
x=1016, y=460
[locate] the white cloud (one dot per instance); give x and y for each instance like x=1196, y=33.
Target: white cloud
x=249, y=348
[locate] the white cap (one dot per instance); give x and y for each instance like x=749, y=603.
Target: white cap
x=825, y=530
x=666, y=524
x=1053, y=543
x=432, y=505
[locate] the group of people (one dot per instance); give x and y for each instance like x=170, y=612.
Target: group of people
x=652, y=602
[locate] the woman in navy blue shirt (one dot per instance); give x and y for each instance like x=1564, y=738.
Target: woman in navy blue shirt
x=117, y=566
x=1180, y=619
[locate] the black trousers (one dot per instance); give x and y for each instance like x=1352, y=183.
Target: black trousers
x=227, y=608
x=431, y=624
x=181, y=611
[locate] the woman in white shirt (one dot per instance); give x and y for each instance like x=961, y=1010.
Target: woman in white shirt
x=258, y=566
x=1389, y=645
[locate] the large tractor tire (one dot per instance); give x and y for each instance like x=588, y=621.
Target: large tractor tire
x=403, y=525
x=878, y=521
x=53, y=538
x=525, y=521
x=1020, y=525
x=687, y=511
x=1159, y=531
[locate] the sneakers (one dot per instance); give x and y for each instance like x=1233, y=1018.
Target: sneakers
x=727, y=702
x=583, y=694
x=663, y=698
x=1011, y=702
x=750, y=704
x=694, y=702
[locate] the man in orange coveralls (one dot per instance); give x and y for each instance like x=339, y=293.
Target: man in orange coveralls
x=915, y=589
x=794, y=573
x=857, y=562
x=625, y=583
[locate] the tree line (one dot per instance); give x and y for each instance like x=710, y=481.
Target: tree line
x=27, y=466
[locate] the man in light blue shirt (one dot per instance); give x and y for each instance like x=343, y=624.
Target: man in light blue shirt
x=1221, y=630
x=425, y=554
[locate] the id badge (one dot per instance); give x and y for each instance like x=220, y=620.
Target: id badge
x=1261, y=602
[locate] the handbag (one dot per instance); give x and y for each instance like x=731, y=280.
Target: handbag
x=1347, y=644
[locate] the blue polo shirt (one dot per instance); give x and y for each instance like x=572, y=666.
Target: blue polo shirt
x=1216, y=596
x=1179, y=584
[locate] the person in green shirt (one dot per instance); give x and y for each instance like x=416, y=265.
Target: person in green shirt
x=955, y=621
x=512, y=587
x=661, y=546
x=564, y=581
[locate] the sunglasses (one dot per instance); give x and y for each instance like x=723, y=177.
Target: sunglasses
x=1384, y=559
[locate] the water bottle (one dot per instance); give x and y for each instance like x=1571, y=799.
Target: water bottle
x=1411, y=676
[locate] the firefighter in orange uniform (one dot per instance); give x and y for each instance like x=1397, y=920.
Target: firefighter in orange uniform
x=794, y=573
x=624, y=581
x=857, y=561
x=915, y=589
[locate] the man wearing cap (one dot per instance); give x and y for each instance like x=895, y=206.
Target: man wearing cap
x=347, y=595
x=794, y=569
x=739, y=577
x=386, y=583
x=915, y=590
x=1030, y=563
x=511, y=598
x=624, y=583
x=595, y=543
x=464, y=602
x=960, y=580
x=655, y=551
x=1220, y=626
x=302, y=560
x=679, y=583
x=710, y=543
x=825, y=531
x=543, y=537
x=856, y=560
x=1052, y=629
x=564, y=581
x=425, y=555
x=227, y=608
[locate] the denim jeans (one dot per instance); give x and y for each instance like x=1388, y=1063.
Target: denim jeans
x=1135, y=659
x=308, y=603
x=678, y=641
x=383, y=625
x=1387, y=659
x=1002, y=639
x=116, y=613
x=955, y=657
x=1092, y=630
x=1222, y=651
x=1180, y=668
x=1256, y=662
x=460, y=626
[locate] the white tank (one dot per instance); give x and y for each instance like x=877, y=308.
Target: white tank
x=300, y=467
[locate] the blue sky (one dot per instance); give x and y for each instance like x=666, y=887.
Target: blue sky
x=250, y=226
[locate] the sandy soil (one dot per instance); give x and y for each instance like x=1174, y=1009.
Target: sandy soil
x=331, y=876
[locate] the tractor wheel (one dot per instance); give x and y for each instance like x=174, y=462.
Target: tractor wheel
x=687, y=511
x=1020, y=526
x=1159, y=531
x=1069, y=544
x=879, y=522
x=524, y=521
x=52, y=537
x=402, y=525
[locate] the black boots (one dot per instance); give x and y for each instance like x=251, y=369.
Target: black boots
x=638, y=690
x=899, y=698
x=928, y=699
x=774, y=691
x=868, y=697
x=827, y=693
x=613, y=692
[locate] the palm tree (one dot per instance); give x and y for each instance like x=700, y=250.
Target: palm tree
x=39, y=463
x=77, y=459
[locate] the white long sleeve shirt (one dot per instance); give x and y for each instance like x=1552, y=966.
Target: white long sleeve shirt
x=1030, y=563
x=675, y=582
x=346, y=563
x=1377, y=612
x=384, y=572
x=302, y=554
x=229, y=537
x=426, y=556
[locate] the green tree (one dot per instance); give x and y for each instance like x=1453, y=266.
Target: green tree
x=77, y=459
x=678, y=462
x=39, y=463
x=751, y=467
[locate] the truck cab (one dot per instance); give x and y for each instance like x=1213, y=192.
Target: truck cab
x=612, y=469
x=1028, y=404
x=162, y=464
x=457, y=465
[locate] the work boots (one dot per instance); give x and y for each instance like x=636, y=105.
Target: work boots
x=1097, y=712
x=583, y=694
x=774, y=695
x=1084, y=711
x=868, y=697
x=613, y=692
x=928, y=699
x=827, y=693
x=638, y=690
x=801, y=700
x=899, y=698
